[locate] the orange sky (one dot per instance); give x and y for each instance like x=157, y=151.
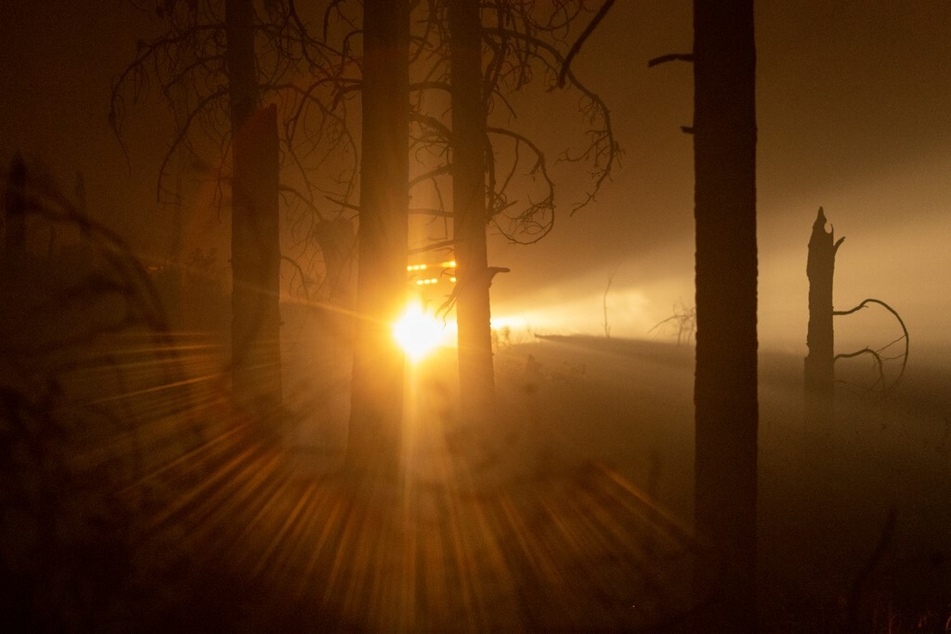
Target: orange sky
x=853, y=115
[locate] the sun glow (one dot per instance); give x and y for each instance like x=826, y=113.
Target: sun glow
x=417, y=332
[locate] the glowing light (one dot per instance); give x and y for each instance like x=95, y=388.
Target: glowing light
x=417, y=333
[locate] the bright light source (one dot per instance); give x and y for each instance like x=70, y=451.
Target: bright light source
x=417, y=333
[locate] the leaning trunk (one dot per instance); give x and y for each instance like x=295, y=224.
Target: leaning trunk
x=255, y=238
x=476, y=377
x=725, y=392
x=377, y=389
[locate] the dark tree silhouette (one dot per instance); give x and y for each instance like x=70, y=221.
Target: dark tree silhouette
x=476, y=374
x=496, y=49
x=216, y=63
x=725, y=390
x=819, y=370
x=819, y=366
x=725, y=386
x=377, y=388
x=255, y=232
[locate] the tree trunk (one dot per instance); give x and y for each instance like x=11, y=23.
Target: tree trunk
x=377, y=389
x=476, y=374
x=255, y=237
x=241, y=64
x=820, y=363
x=725, y=392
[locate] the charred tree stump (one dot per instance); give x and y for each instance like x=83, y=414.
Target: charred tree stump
x=820, y=363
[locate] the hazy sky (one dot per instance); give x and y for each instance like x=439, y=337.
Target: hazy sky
x=854, y=111
x=853, y=115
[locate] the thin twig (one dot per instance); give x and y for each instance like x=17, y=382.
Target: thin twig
x=670, y=57
x=576, y=47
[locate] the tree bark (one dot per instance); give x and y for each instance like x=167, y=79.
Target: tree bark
x=476, y=373
x=819, y=367
x=255, y=265
x=725, y=392
x=377, y=388
x=240, y=61
x=255, y=235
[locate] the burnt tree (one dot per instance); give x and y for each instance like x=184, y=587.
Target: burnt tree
x=255, y=237
x=494, y=49
x=468, y=143
x=377, y=388
x=819, y=370
x=215, y=63
x=255, y=265
x=725, y=389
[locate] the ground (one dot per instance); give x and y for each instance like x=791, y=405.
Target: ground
x=828, y=552
x=568, y=508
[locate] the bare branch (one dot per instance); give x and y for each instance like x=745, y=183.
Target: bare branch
x=670, y=57
x=445, y=244
x=576, y=47
x=876, y=353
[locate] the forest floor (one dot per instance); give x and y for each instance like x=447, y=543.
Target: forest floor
x=854, y=521
x=568, y=508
